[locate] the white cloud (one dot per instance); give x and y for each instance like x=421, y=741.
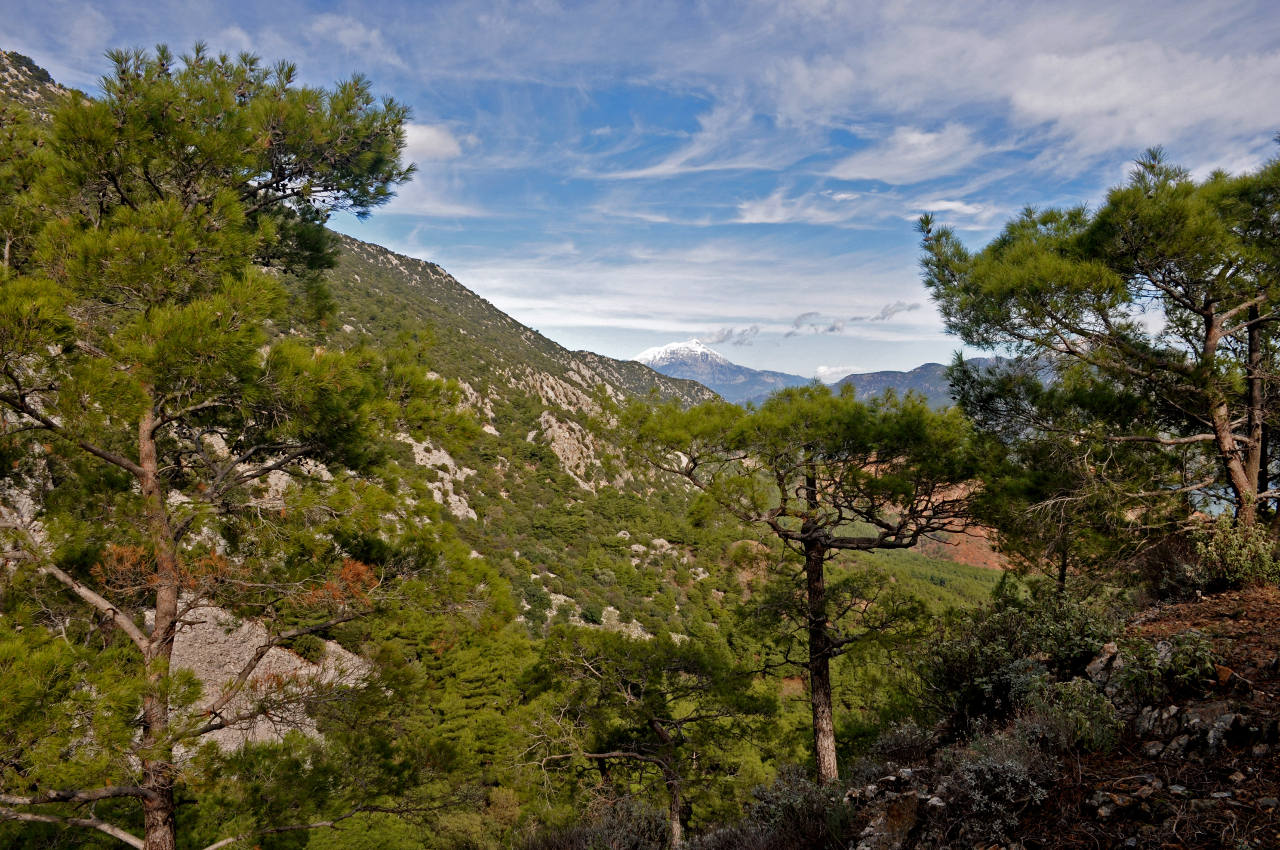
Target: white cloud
x=234, y=39
x=831, y=374
x=728, y=138
x=888, y=311
x=86, y=31
x=354, y=37
x=824, y=207
x=911, y=155
x=731, y=336
x=424, y=142
x=732, y=284
x=434, y=195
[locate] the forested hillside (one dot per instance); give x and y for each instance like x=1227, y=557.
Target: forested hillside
x=304, y=544
x=444, y=492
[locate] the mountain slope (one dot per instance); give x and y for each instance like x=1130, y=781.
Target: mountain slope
x=693, y=360
x=24, y=83
x=382, y=293
x=929, y=380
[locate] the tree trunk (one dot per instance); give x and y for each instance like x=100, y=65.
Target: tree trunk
x=1264, y=465
x=157, y=751
x=824, y=733
x=1243, y=484
x=675, y=803
x=1254, y=454
x=824, y=730
x=1239, y=460
x=675, y=798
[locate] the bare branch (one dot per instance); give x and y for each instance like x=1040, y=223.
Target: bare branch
x=1163, y=441
x=48, y=424
x=238, y=683
x=299, y=827
x=118, y=617
x=90, y=823
x=76, y=796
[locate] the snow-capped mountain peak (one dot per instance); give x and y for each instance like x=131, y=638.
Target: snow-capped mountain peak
x=694, y=361
x=689, y=351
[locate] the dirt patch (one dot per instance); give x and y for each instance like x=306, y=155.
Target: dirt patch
x=974, y=548
x=1226, y=798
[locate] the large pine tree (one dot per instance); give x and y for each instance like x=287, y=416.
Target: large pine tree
x=146, y=401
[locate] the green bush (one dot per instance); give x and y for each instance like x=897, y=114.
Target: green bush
x=1152, y=673
x=310, y=647
x=1070, y=715
x=985, y=658
x=592, y=612
x=793, y=812
x=1232, y=555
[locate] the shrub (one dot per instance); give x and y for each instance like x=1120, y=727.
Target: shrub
x=992, y=780
x=592, y=612
x=903, y=743
x=626, y=824
x=309, y=647
x=792, y=812
x=1152, y=673
x=1232, y=555
x=987, y=656
x=1070, y=715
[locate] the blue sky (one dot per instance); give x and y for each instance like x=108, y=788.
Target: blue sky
x=620, y=174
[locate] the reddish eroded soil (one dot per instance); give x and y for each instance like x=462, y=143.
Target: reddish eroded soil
x=973, y=548
x=1226, y=796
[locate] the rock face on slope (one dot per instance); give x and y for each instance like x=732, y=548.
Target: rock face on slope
x=25, y=84
x=523, y=387
x=382, y=293
x=217, y=646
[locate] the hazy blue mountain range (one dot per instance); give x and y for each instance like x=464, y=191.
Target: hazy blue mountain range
x=929, y=380
x=694, y=361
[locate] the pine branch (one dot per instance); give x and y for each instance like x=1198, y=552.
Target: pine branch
x=89, y=823
x=121, y=621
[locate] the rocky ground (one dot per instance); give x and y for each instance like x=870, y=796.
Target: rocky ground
x=1200, y=771
x=1197, y=766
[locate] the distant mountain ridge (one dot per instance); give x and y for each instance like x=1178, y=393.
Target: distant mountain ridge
x=929, y=380
x=694, y=361
x=25, y=84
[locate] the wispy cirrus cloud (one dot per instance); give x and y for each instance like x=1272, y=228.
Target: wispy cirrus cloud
x=756, y=161
x=356, y=37
x=732, y=336
x=911, y=155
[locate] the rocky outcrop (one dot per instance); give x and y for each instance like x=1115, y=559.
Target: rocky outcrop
x=449, y=473
x=216, y=647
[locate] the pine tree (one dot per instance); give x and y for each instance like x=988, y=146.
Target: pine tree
x=146, y=404
x=824, y=474
x=1156, y=313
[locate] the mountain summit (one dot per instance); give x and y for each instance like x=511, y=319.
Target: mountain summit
x=690, y=351
x=694, y=361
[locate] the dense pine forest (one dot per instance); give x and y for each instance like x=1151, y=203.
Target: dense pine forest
x=306, y=545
